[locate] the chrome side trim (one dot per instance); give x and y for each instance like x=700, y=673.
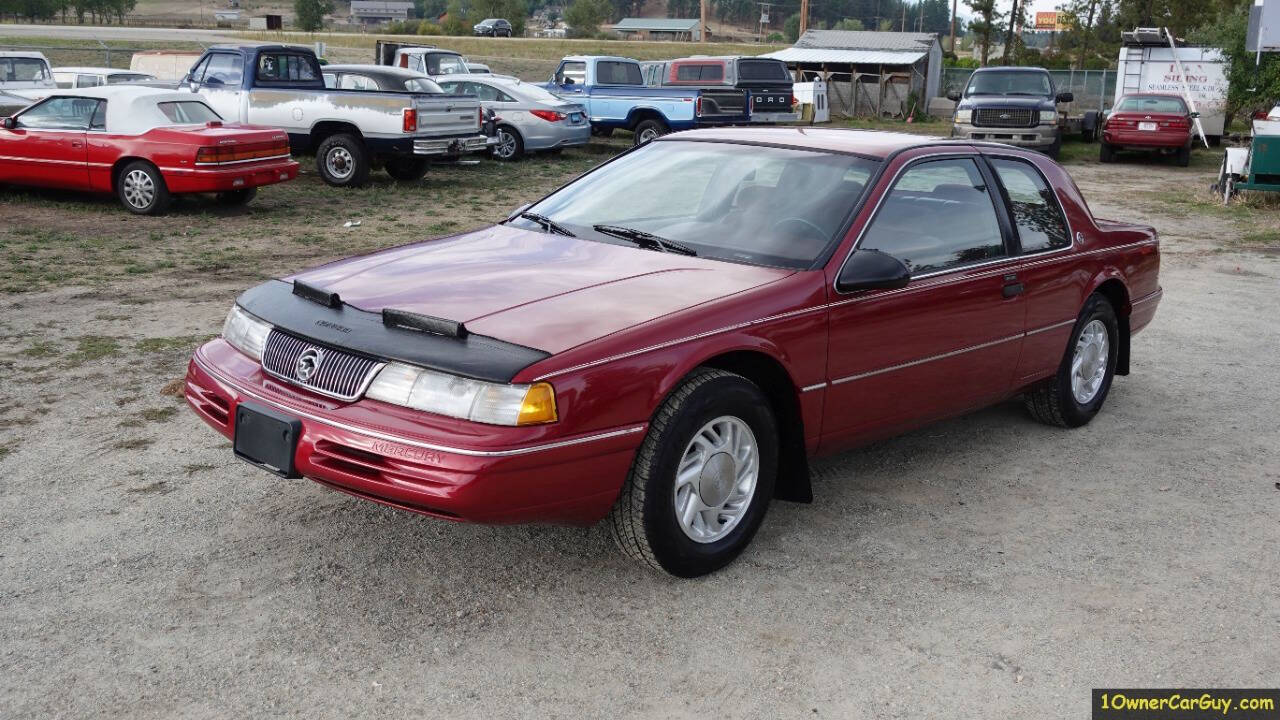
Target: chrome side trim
x=416, y=443
x=817, y=386
x=241, y=162
x=1149, y=297
x=922, y=361
x=1054, y=326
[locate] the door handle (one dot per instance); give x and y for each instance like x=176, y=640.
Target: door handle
x=76, y=144
x=1012, y=289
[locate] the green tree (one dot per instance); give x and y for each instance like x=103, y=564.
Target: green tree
x=1252, y=85
x=309, y=14
x=986, y=25
x=791, y=28
x=585, y=16
x=849, y=24
x=455, y=21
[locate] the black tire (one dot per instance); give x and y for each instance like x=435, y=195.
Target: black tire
x=234, y=198
x=1106, y=153
x=350, y=161
x=407, y=169
x=1053, y=403
x=601, y=131
x=649, y=129
x=1055, y=149
x=643, y=520
x=509, y=141
x=1184, y=156
x=142, y=190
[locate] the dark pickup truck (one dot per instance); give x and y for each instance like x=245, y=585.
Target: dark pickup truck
x=1017, y=106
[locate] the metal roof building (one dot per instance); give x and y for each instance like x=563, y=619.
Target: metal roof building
x=658, y=29
x=868, y=72
x=378, y=11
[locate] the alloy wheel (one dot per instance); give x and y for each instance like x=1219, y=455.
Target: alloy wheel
x=716, y=479
x=139, y=189
x=1089, y=363
x=506, y=144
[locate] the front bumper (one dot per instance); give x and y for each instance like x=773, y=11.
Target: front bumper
x=453, y=147
x=774, y=117
x=1040, y=136
x=226, y=178
x=376, y=452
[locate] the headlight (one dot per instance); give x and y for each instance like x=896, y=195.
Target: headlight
x=245, y=332
x=964, y=116
x=475, y=400
x=1048, y=117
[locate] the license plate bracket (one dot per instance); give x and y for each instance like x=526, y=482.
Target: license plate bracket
x=267, y=439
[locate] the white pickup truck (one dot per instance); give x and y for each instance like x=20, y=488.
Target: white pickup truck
x=350, y=131
x=25, y=74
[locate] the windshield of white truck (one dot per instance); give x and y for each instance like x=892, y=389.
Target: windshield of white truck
x=1009, y=83
x=23, y=70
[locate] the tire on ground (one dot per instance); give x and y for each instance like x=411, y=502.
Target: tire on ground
x=349, y=165
x=643, y=520
x=233, y=198
x=1053, y=402
x=407, y=169
x=649, y=126
x=141, y=189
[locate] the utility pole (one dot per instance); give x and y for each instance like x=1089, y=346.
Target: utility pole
x=953, y=26
x=904, y=18
x=703, y=22
x=920, y=22
x=804, y=16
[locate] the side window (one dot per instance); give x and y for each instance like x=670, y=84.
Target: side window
x=196, y=75
x=224, y=69
x=99, y=119
x=330, y=80
x=612, y=72
x=357, y=82
x=62, y=113
x=503, y=97
x=575, y=71
x=938, y=215
x=83, y=81
x=284, y=67
x=1035, y=210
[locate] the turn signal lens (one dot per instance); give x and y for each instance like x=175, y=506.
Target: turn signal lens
x=539, y=405
x=548, y=115
x=410, y=120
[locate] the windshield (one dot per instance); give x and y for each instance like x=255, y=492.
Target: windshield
x=447, y=65
x=1009, y=83
x=23, y=70
x=757, y=205
x=1152, y=104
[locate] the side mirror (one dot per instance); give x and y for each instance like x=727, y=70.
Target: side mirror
x=9, y=123
x=1195, y=115
x=1064, y=97
x=872, y=270
x=568, y=81
x=953, y=95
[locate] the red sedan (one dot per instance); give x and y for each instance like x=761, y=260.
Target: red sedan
x=666, y=340
x=1148, y=123
x=143, y=144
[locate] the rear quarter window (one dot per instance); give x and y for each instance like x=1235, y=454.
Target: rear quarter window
x=611, y=72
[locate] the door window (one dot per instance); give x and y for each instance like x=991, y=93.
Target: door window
x=1035, y=210
x=939, y=215
x=62, y=113
x=612, y=72
x=575, y=71
x=224, y=69
x=84, y=81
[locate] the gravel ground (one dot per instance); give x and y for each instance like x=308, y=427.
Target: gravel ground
x=983, y=566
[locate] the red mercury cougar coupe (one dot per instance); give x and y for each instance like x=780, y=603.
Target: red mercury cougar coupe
x=144, y=144
x=665, y=341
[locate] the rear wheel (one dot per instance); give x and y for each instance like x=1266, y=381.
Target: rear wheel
x=342, y=161
x=1077, y=391
x=703, y=478
x=1106, y=153
x=601, y=131
x=142, y=190
x=510, y=146
x=1184, y=156
x=237, y=197
x=407, y=169
x=650, y=129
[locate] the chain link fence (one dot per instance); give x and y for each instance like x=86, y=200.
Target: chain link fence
x=1093, y=89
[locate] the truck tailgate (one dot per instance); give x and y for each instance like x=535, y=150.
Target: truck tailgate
x=445, y=115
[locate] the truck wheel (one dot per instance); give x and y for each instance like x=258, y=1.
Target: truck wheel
x=1106, y=153
x=407, y=169
x=510, y=146
x=237, y=197
x=702, y=479
x=601, y=131
x=1184, y=156
x=1055, y=149
x=648, y=130
x=141, y=189
x=342, y=161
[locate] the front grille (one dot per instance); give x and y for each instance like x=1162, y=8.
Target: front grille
x=328, y=371
x=997, y=117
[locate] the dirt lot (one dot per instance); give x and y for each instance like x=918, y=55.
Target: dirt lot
x=987, y=562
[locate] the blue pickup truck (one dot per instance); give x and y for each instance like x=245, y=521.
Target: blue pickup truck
x=614, y=92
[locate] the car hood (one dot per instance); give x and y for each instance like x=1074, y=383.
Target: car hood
x=539, y=290
x=1006, y=101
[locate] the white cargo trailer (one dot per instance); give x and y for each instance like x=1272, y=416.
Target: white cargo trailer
x=1148, y=64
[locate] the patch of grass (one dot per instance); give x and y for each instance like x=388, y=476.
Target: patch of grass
x=93, y=347
x=132, y=444
x=158, y=414
x=934, y=126
x=42, y=349
x=176, y=342
x=1262, y=237
x=4, y=451
x=194, y=468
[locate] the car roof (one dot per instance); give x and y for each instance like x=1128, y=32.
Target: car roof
x=101, y=70
x=131, y=109
x=584, y=58
x=869, y=143
x=1153, y=95
x=389, y=70
x=23, y=54
x=1010, y=68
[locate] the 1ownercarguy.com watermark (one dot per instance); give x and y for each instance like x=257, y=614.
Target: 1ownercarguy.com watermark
x=1186, y=704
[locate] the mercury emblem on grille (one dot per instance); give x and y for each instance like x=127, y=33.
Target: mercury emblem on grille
x=308, y=363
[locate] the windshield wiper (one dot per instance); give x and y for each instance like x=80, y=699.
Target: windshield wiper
x=645, y=240
x=547, y=223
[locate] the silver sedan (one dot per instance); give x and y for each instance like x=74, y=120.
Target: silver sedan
x=529, y=118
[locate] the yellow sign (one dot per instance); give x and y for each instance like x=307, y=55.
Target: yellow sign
x=1051, y=21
